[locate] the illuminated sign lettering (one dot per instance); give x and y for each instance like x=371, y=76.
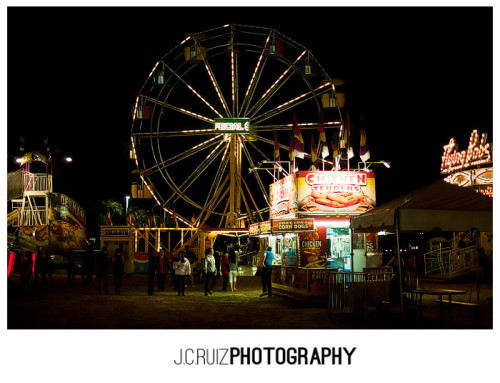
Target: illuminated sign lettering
x=336, y=181
x=232, y=125
x=477, y=153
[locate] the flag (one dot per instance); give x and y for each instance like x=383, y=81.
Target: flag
x=131, y=218
x=322, y=140
x=335, y=145
x=276, y=149
x=298, y=141
x=345, y=138
x=193, y=219
x=314, y=155
x=291, y=155
x=364, y=152
x=109, y=218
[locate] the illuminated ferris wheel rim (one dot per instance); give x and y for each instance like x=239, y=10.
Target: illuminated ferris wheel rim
x=218, y=141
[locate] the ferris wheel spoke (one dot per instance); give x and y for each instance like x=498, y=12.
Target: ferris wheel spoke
x=277, y=84
x=178, y=109
x=181, y=156
x=216, y=184
x=290, y=104
x=175, y=133
x=219, y=175
x=196, y=173
x=302, y=126
x=192, y=90
x=215, y=84
x=252, y=165
x=234, y=74
x=255, y=77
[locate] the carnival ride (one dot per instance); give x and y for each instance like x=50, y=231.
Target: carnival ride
x=40, y=217
x=208, y=112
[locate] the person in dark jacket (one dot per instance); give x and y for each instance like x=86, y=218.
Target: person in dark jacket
x=118, y=266
x=163, y=269
x=151, y=273
x=88, y=265
x=71, y=269
x=102, y=264
x=27, y=273
x=46, y=267
x=224, y=265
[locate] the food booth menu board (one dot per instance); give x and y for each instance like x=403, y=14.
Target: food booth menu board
x=339, y=192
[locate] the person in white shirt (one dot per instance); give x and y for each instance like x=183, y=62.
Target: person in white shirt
x=210, y=270
x=182, y=269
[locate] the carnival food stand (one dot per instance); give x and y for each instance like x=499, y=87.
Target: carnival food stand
x=309, y=231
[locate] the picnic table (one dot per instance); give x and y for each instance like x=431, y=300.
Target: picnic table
x=438, y=292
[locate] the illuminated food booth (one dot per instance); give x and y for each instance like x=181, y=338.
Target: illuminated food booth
x=309, y=232
x=472, y=167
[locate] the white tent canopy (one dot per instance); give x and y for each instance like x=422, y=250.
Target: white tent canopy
x=439, y=206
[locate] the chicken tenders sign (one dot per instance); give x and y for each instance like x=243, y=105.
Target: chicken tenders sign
x=342, y=192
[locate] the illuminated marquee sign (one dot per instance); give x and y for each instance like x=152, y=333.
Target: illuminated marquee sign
x=292, y=225
x=232, y=125
x=477, y=153
x=336, y=182
x=282, y=226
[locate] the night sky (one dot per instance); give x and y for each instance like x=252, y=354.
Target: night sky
x=419, y=76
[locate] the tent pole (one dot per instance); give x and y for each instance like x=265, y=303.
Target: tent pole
x=478, y=254
x=399, y=267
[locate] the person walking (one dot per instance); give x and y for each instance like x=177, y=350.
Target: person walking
x=88, y=265
x=175, y=258
x=192, y=258
x=210, y=271
x=163, y=270
x=102, y=264
x=267, y=272
x=225, y=271
x=118, y=267
x=71, y=269
x=182, y=270
x=151, y=273
x=27, y=273
x=233, y=267
x=38, y=260
x=47, y=267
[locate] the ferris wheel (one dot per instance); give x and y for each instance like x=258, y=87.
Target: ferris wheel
x=205, y=120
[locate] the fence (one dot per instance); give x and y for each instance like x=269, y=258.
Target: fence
x=357, y=292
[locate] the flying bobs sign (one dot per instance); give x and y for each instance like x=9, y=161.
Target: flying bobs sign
x=477, y=153
x=232, y=125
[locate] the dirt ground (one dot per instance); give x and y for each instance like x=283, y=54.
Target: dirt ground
x=82, y=307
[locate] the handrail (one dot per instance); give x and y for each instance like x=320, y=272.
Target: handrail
x=450, y=261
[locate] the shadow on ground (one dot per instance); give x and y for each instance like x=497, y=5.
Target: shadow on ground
x=82, y=307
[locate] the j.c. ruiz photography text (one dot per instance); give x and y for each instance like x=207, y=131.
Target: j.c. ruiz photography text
x=266, y=355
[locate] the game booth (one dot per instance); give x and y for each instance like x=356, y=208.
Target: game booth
x=309, y=232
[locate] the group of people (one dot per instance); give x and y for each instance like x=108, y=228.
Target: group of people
x=160, y=265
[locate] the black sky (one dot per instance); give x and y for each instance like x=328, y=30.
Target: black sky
x=419, y=76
